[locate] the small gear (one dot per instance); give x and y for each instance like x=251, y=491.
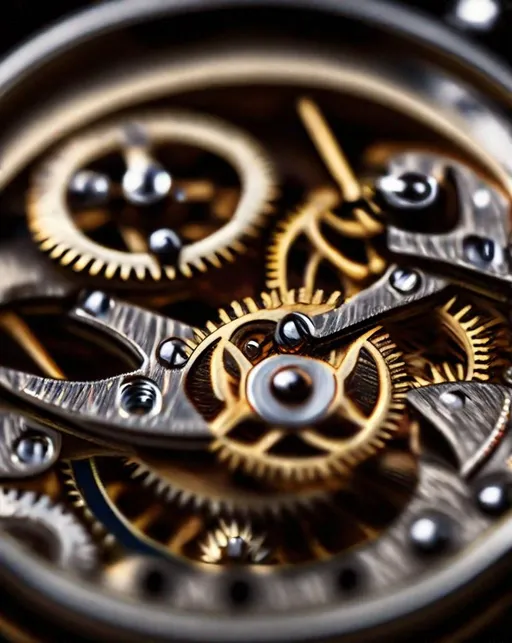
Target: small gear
x=327, y=250
x=157, y=252
x=475, y=340
x=229, y=361
x=56, y=532
x=233, y=543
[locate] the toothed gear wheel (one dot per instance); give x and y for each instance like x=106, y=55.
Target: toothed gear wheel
x=357, y=401
x=478, y=340
x=326, y=242
x=59, y=234
x=233, y=543
x=38, y=518
x=213, y=493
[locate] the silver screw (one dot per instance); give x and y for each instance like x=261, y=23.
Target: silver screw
x=507, y=376
x=404, y=281
x=34, y=450
x=453, y=400
x=482, y=198
x=236, y=547
x=431, y=532
x=173, y=353
x=96, y=303
x=90, y=188
x=146, y=183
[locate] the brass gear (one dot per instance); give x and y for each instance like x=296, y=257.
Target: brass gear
x=477, y=340
x=211, y=489
x=57, y=233
x=327, y=263
x=217, y=374
x=233, y=543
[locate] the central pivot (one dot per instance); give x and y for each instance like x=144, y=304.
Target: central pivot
x=292, y=385
x=291, y=390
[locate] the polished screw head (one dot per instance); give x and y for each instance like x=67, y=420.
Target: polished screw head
x=410, y=190
x=34, y=450
x=252, y=349
x=431, y=533
x=89, y=189
x=166, y=245
x=494, y=496
x=95, y=303
x=146, y=183
x=173, y=353
x=405, y=281
x=478, y=15
x=293, y=331
x=291, y=385
x=453, y=400
x=479, y=251
x=236, y=548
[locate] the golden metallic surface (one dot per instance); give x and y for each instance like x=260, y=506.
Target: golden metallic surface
x=210, y=487
x=215, y=548
x=214, y=241
x=168, y=77
x=324, y=451
x=261, y=494
x=329, y=150
x=21, y=333
x=471, y=344
x=329, y=240
x=329, y=236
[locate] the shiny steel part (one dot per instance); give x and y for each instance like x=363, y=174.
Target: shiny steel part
x=472, y=416
x=137, y=405
x=479, y=242
x=59, y=234
x=61, y=536
x=382, y=298
x=234, y=544
x=26, y=449
x=308, y=408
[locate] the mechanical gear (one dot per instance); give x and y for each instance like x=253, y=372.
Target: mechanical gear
x=36, y=517
x=348, y=432
x=215, y=492
x=476, y=343
x=233, y=543
x=331, y=251
x=58, y=234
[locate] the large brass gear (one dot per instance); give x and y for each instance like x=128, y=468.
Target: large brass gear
x=210, y=489
x=208, y=244
x=354, y=429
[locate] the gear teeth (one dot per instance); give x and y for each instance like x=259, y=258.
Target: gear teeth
x=51, y=229
x=483, y=336
x=105, y=540
x=214, y=546
x=275, y=505
x=268, y=300
x=76, y=549
x=226, y=450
